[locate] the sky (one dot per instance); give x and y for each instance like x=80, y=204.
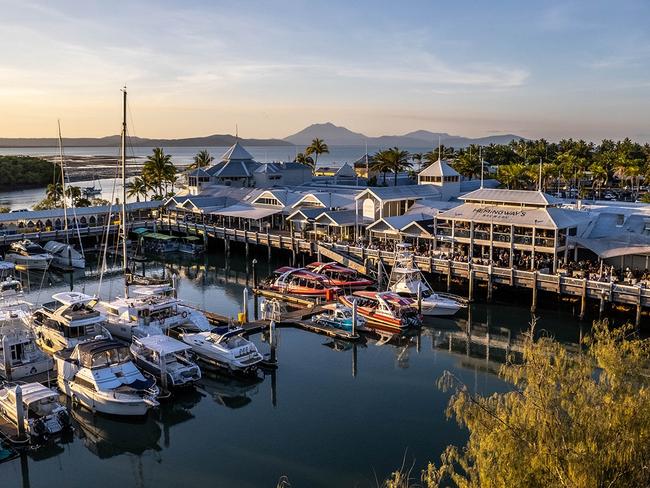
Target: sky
x=196, y=67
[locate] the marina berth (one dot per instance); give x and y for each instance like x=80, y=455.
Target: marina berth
x=70, y=319
x=162, y=355
x=102, y=376
x=42, y=414
x=28, y=255
x=385, y=311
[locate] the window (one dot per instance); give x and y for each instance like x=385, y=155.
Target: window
x=620, y=219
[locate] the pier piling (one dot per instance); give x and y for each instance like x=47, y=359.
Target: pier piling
x=489, y=284
x=470, y=291
x=20, y=413
x=6, y=357
x=533, y=305
x=448, y=275
x=583, y=299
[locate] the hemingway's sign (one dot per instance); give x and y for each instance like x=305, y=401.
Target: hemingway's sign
x=498, y=213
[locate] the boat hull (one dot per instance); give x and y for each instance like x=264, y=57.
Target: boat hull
x=95, y=402
x=28, y=262
x=377, y=320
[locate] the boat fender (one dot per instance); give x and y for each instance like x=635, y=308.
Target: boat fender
x=184, y=314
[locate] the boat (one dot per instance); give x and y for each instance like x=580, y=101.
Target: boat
x=191, y=245
x=44, y=416
x=102, y=377
x=65, y=255
x=90, y=191
x=156, y=243
x=28, y=255
x=406, y=278
x=341, y=276
x=20, y=357
x=70, y=319
x=386, y=311
x=300, y=281
x=10, y=289
x=160, y=354
x=338, y=316
x=224, y=348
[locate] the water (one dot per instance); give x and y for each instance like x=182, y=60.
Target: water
x=333, y=414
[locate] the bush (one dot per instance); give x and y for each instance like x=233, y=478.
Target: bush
x=26, y=172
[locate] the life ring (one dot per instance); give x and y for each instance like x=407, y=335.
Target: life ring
x=184, y=314
x=33, y=370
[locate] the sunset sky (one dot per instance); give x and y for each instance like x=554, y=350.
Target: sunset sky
x=552, y=69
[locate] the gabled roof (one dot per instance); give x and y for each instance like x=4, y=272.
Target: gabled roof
x=326, y=199
x=339, y=218
x=408, y=192
x=236, y=168
x=397, y=222
x=305, y=214
x=198, y=172
x=345, y=171
x=236, y=153
x=439, y=168
x=513, y=197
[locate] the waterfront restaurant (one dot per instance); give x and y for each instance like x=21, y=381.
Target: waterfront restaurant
x=496, y=224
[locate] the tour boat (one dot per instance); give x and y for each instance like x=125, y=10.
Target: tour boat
x=406, y=278
x=70, y=319
x=28, y=255
x=384, y=310
x=155, y=242
x=65, y=255
x=18, y=342
x=43, y=415
x=160, y=354
x=224, y=348
x=340, y=276
x=191, y=245
x=299, y=281
x=338, y=316
x=102, y=376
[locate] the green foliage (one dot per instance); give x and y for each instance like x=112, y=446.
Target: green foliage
x=317, y=147
x=4, y=210
x=159, y=172
x=201, y=160
x=577, y=420
x=393, y=159
x=26, y=172
x=47, y=203
x=137, y=188
x=306, y=160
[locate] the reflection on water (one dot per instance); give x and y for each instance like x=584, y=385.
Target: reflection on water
x=332, y=414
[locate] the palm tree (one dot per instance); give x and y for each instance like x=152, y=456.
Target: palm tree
x=599, y=176
x=157, y=170
x=317, y=147
x=380, y=164
x=137, y=188
x=54, y=192
x=202, y=159
x=74, y=194
x=306, y=160
x=417, y=157
x=393, y=159
x=441, y=151
x=515, y=175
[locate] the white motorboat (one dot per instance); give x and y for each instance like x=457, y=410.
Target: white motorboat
x=160, y=354
x=191, y=245
x=67, y=321
x=44, y=416
x=406, y=278
x=338, y=316
x=102, y=376
x=65, y=255
x=28, y=255
x=224, y=348
x=20, y=357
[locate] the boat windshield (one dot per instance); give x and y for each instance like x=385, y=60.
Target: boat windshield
x=111, y=357
x=42, y=407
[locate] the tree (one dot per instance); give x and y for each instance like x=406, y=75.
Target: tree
x=468, y=162
x=4, y=210
x=138, y=188
x=306, y=160
x=201, y=160
x=393, y=159
x=380, y=164
x=74, y=194
x=515, y=176
x=54, y=192
x=571, y=419
x=442, y=151
x=317, y=147
x=159, y=170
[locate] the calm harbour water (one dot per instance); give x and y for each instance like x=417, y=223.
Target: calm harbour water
x=333, y=415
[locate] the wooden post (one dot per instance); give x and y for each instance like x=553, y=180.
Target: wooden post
x=6, y=357
x=583, y=299
x=420, y=297
x=255, y=273
x=20, y=413
x=533, y=305
x=637, y=322
x=354, y=317
x=448, y=275
x=489, y=284
x=163, y=372
x=470, y=292
x=245, y=304
x=601, y=307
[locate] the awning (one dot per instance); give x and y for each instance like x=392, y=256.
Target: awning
x=608, y=247
x=246, y=211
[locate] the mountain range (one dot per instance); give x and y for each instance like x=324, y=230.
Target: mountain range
x=330, y=133
x=340, y=136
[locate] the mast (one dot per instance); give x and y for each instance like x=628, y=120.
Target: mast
x=480, y=155
x=123, y=219
x=65, y=206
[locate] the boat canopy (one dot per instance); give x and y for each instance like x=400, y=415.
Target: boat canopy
x=163, y=344
x=33, y=392
x=86, y=352
x=140, y=231
x=72, y=297
x=159, y=236
x=191, y=238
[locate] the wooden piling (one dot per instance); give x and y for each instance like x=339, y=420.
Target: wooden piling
x=470, y=292
x=533, y=305
x=583, y=299
x=489, y=284
x=637, y=320
x=448, y=275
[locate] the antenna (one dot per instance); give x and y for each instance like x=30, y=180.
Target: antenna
x=62, y=163
x=540, y=174
x=236, y=132
x=439, y=150
x=480, y=156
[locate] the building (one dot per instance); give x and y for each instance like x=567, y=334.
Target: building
x=443, y=176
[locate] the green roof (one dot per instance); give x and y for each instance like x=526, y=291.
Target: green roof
x=140, y=230
x=162, y=237
x=192, y=238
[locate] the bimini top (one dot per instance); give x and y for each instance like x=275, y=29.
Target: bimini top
x=163, y=344
x=86, y=351
x=32, y=392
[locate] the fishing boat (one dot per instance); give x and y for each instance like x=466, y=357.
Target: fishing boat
x=191, y=245
x=224, y=348
x=385, y=311
x=70, y=319
x=406, y=279
x=299, y=281
x=91, y=191
x=20, y=357
x=65, y=255
x=338, y=316
x=160, y=354
x=44, y=416
x=28, y=255
x=340, y=276
x=102, y=377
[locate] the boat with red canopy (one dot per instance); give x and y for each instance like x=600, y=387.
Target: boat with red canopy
x=341, y=276
x=386, y=311
x=300, y=281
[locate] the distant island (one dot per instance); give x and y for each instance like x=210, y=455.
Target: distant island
x=332, y=134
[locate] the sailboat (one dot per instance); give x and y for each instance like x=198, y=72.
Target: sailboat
x=63, y=254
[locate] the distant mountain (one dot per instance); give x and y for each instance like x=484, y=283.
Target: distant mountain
x=340, y=136
x=218, y=140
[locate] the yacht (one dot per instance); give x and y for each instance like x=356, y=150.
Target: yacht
x=300, y=281
x=44, y=416
x=406, y=278
x=28, y=255
x=103, y=378
x=338, y=316
x=340, y=276
x=385, y=311
x=160, y=354
x=224, y=348
x=70, y=319
x=18, y=342
x=65, y=255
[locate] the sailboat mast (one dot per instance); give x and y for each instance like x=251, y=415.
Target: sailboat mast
x=65, y=206
x=123, y=219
